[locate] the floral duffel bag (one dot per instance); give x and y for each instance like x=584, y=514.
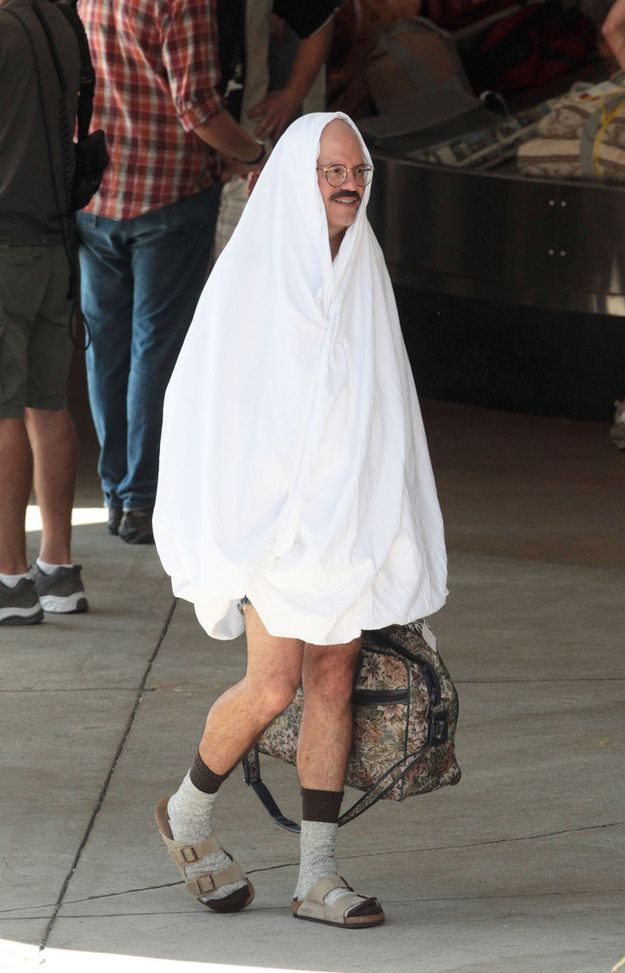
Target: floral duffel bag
x=405, y=710
x=583, y=136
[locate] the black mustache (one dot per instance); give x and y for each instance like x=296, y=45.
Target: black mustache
x=341, y=193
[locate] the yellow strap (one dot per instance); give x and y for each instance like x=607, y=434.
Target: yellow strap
x=606, y=118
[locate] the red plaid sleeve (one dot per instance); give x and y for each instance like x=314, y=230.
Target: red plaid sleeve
x=190, y=57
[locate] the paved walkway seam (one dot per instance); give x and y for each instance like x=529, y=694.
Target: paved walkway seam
x=122, y=743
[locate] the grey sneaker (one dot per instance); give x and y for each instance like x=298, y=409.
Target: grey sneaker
x=20, y=605
x=61, y=592
x=136, y=527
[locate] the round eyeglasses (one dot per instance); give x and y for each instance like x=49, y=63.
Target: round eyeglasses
x=336, y=174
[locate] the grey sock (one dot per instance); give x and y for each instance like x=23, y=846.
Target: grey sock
x=317, y=858
x=190, y=813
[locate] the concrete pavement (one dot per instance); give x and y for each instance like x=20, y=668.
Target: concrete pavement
x=518, y=869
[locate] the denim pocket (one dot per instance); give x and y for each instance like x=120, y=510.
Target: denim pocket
x=198, y=209
x=86, y=222
x=21, y=256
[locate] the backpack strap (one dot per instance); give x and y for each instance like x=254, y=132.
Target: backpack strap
x=87, y=73
x=64, y=125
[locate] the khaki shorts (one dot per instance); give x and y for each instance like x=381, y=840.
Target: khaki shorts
x=35, y=341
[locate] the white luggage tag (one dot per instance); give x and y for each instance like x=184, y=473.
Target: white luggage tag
x=428, y=635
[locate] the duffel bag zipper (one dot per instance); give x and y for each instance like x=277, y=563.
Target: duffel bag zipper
x=430, y=674
x=438, y=717
x=380, y=697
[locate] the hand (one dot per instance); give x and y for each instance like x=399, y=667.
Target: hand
x=274, y=113
x=252, y=179
x=235, y=168
x=613, y=29
x=231, y=168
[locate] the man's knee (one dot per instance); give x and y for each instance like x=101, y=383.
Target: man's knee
x=329, y=675
x=272, y=696
x=47, y=421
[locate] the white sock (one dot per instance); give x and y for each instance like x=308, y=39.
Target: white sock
x=317, y=858
x=12, y=580
x=50, y=568
x=190, y=813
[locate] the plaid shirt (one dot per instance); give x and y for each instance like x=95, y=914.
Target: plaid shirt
x=157, y=74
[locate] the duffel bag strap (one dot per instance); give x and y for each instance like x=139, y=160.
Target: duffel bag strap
x=384, y=783
x=251, y=772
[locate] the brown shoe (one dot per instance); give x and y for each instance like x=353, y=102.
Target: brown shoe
x=114, y=519
x=136, y=527
x=617, y=432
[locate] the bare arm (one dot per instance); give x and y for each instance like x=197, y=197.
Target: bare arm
x=224, y=135
x=190, y=57
x=613, y=29
x=279, y=108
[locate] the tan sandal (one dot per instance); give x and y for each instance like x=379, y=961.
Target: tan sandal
x=184, y=854
x=349, y=911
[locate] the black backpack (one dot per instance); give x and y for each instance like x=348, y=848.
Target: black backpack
x=90, y=152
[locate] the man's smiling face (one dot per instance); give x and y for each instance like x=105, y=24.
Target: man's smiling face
x=339, y=145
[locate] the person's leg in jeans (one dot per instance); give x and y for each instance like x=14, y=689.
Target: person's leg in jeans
x=617, y=431
x=107, y=290
x=170, y=257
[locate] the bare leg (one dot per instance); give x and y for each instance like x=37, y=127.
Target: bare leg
x=53, y=441
x=16, y=471
x=233, y=724
x=240, y=715
x=322, y=758
x=326, y=731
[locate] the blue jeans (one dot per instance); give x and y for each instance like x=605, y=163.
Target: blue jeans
x=141, y=279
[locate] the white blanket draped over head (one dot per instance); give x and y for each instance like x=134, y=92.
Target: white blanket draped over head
x=294, y=467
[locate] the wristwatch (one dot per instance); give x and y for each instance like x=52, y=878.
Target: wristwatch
x=259, y=158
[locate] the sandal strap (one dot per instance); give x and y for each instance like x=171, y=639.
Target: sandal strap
x=327, y=884
x=312, y=906
x=184, y=853
x=210, y=881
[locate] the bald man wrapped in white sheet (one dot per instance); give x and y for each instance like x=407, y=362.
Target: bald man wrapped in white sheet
x=294, y=467
x=294, y=474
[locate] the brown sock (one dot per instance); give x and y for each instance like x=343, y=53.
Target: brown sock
x=205, y=779
x=321, y=805
x=190, y=812
x=320, y=813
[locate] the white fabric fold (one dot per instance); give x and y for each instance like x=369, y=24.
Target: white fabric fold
x=294, y=467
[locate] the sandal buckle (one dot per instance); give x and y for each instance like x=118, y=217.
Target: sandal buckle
x=188, y=855
x=205, y=883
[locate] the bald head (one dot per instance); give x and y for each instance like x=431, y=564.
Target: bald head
x=339, y=146
x=338, y=136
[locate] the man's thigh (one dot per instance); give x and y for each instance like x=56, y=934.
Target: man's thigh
x=24, y=273
x=106, y=279
x=51, y=347
x=171, y=253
